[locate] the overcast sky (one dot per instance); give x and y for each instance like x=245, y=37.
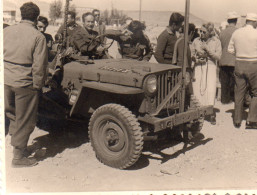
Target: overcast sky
x=213, y=10
x=209, y=9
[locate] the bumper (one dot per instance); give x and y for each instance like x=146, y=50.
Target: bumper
x=176, y=119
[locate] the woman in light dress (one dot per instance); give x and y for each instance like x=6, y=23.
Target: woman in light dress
x=206, y=51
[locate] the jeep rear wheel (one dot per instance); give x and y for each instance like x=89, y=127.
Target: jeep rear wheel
x=115, y=136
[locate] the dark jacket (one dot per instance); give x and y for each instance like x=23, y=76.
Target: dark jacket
x=86, y=42
x=165, y=47
x=227, y=59
x=135, y=46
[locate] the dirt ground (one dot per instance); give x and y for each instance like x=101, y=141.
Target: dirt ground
x=222, y=157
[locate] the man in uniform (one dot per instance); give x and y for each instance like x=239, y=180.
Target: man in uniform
x=86, y=40
x=227, y=60
x=25, y=62
x=243, y=44
x=133, y=42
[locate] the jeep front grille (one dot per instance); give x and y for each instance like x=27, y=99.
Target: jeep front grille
x=166, y=83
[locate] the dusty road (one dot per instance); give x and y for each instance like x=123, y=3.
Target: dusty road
x=222, y=158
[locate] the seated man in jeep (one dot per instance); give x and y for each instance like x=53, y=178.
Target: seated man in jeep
x=86, y=41
x=133, y=43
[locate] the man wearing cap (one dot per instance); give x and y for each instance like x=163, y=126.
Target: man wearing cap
x=243, y=44
x=227, y=60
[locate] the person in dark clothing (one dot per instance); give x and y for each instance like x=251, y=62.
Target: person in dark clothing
x=133, y=42
x=227, y=61
x=179, y=48
x=86, y=41
x=167, y=39
x=42, y=23
x=25, y=63
x=72, y=27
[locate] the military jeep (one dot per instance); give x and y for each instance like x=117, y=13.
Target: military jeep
x=126, y=101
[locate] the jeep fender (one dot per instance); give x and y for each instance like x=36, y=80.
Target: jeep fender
x=88, y=98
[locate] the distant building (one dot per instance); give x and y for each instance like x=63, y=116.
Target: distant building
x=9, y=16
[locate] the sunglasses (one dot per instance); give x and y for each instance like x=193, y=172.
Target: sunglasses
x=97, y=15
x=201, y=31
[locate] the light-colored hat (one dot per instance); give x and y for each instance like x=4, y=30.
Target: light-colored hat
x=232, y=15
x=223, y=25
x=251, y=16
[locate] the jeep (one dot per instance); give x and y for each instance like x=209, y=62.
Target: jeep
x=126, y=101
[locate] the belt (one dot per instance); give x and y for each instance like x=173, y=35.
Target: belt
x=25, y=65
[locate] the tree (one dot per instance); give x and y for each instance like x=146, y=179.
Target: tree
x=55, y=10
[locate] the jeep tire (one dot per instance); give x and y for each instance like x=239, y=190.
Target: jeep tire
x=116, y=136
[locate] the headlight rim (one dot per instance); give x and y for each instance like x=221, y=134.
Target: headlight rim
x=145, y=86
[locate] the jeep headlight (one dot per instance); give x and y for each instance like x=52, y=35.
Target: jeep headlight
x=150, y=85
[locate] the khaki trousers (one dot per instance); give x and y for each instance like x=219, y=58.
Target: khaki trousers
x=21, y=106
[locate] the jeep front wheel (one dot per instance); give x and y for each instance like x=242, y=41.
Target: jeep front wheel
x=115, y=136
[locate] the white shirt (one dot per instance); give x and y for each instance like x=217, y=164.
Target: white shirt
x=243, y=43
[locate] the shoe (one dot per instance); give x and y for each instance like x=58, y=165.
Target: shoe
x=24, y=162
x=251, y=125
x=213, y=120
x=27, y=153
x=237, y=125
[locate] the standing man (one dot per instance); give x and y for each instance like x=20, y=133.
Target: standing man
x=227, y=60
x=25, y=62
x=99, y=26
x=243, y=44
x=167, y=39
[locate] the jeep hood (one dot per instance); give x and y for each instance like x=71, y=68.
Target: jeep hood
x=121, y=71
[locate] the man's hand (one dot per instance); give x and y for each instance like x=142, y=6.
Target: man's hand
x=126, y=32
x=100, y=49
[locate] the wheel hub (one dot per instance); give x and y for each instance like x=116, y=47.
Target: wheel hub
x=114, y=138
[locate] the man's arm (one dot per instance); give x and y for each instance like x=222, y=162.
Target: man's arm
x=85, y=43
x=40, y=62
x=231, y=46
x=161, y=45
x=148, y=49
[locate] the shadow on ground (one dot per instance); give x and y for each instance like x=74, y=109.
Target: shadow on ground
x=244, y=115
x=165, y=141
x=61, y=135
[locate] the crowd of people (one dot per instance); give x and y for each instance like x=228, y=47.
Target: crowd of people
x=28, y=51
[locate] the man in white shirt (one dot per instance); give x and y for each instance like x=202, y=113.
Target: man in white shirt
x=243, y=44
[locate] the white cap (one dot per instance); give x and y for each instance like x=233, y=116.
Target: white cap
x=232, y=15
x=251, y=16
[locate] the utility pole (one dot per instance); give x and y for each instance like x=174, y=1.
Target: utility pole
x=140, y=5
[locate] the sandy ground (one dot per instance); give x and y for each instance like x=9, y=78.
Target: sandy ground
x=221, y=158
